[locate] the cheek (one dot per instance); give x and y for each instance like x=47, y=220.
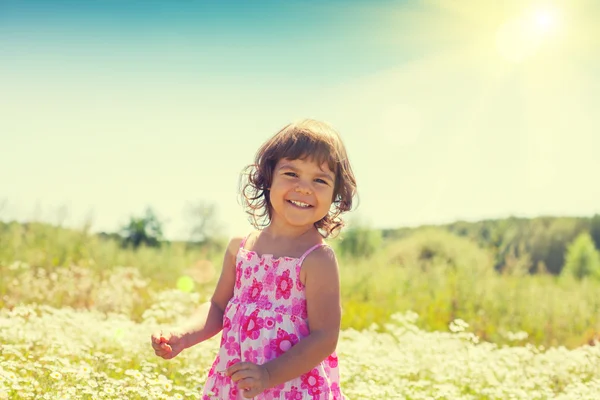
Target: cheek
x=281, y=186
x=277, y=192
x=326, y=197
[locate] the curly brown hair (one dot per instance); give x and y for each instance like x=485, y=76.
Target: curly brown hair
x=304, y=139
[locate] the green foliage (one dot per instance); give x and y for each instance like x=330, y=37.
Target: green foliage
x=203, y=223
x=538, y=243
x=360, y=241
x=549, y=240
x=550, y=311
x=595, y=230
x=51, y=247
x=146, y=230
x=583, y=260
x=435, y=273
x=430, y=248
x=45, y=245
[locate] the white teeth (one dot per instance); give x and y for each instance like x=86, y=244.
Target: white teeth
x=299, y=203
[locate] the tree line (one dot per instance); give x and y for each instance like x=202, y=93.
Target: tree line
x=536, y=245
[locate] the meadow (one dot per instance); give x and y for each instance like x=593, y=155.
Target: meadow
x=77, y=311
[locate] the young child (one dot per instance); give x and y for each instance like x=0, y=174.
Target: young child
x=277, y=300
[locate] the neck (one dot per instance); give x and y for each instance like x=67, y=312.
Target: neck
x=277, y=230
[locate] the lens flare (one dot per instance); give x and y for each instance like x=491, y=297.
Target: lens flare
x=185, y=284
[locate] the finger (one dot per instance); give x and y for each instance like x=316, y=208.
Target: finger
x=165, y=354
x=157, y=345
x=248, y=394
x=236, y=367
x=159, y=350
x=163, y=349
x=243, y=374
x=166, y=347
x=156, y=337
x=246, y=384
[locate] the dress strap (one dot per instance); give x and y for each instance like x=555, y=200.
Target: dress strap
x=307, y=252
x=244, y=241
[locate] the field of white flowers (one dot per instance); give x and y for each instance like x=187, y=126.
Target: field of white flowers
x=50, y=353
x=100, y=352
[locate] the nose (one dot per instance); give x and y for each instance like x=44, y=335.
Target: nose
x=302, y=188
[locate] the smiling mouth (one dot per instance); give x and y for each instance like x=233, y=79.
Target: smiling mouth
x=300, y=204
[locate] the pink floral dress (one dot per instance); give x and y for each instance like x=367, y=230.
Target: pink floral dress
x=264, y=318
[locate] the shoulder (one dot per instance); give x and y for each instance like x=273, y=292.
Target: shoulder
x=235, y=242
x=320, y=270
x=320, y=258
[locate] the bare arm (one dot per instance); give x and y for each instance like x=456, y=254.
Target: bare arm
x=207, y=321
x=321, y=277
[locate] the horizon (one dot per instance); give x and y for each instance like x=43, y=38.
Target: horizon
x=354, y=222
x=450, y=112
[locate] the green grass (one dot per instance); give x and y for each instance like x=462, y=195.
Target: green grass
x=550, y=310
x=51, y=265
x=76, y=314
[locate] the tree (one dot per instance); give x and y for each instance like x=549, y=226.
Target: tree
x=429, y=248
x=583, y=260
x=2, y=206
x=549, y=238
x=595, y=230
x=360, y=241
x=145, y=230
x=202, y=217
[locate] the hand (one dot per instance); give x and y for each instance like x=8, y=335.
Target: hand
x=251, y=378
x=167, y=345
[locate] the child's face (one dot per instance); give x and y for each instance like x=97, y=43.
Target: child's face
x=301, y=192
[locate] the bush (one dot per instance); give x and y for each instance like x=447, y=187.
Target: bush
x=583, y=260
x=431, y=247
x=360, y=242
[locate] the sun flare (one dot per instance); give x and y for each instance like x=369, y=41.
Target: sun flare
x=545, y=19
x=522, y=36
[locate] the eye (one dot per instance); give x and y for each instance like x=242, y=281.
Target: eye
x=321, y=181
x=290, y=174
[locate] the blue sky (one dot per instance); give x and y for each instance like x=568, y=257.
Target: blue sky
x=450, y=110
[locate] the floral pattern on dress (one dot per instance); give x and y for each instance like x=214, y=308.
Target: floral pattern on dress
x=267, y=316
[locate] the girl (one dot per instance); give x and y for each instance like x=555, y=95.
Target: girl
x=277, y=300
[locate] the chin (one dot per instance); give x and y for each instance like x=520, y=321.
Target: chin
x=303, y=222
x=300, y=223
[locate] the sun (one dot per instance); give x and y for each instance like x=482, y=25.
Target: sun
x=522, y=36
x=545, y=20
